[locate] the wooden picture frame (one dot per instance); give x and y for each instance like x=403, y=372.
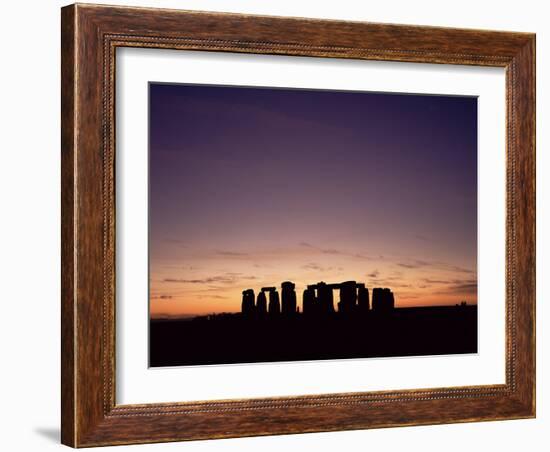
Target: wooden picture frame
x=90, y=36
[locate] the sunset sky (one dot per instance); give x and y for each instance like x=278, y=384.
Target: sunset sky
x=250, y=187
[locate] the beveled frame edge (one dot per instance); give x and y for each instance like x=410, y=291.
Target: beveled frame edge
x=90, y=35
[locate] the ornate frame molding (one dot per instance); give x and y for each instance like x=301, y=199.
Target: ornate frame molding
x=90, y=36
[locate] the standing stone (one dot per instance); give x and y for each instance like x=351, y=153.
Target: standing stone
x=288, y=298
x=261, y=304
x=391, y=304
x=387, y=299
x=274, y=303
x=308, y=301
x=363, y=298
x=383, y=300
x=377, y=299
x=325, y=298
x=247, y=306
x=348, y=297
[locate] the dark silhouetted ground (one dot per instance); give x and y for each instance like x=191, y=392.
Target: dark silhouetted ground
x=231, y=338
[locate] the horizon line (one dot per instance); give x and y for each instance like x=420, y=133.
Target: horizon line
x=190, y=316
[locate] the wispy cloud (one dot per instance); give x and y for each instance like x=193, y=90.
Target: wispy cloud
x=334, y=251
x=228, y=278
x=436, y=281
x=459, y=286
x=231, y=253
x=418, y=263
x=413, y=264
x=210, y=297
x=316, y=267
x=465, y=286
x=454, y=268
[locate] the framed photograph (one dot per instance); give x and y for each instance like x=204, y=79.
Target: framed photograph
x=281, y=225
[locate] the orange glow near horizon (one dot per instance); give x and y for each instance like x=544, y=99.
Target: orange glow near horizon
x=250, y=187
x=215, y=280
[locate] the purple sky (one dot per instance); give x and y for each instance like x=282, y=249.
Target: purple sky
x=253, y=186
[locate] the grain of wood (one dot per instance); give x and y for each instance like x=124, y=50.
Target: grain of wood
x=90, y=36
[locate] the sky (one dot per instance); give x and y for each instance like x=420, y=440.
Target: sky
x=250, y=187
